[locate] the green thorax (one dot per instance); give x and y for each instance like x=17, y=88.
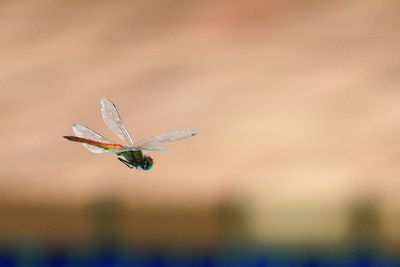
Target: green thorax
x=133, y=157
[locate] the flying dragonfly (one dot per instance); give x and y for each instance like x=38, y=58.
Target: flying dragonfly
x=129, y=153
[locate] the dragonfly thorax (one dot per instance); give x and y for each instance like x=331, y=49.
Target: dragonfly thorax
x=136, y=159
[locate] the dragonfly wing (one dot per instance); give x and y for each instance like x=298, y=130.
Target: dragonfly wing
x=113, y=121
x=152, y=148
x=84, y=132
x=95, y=149
x=153, y=143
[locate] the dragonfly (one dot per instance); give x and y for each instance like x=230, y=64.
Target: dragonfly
x=129, y=153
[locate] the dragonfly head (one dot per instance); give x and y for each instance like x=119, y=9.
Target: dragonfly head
x=148, y=163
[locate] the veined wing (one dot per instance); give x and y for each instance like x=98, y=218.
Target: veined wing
x=153, y=143
x=84, y=132
x=125, y=149
x=113, y=121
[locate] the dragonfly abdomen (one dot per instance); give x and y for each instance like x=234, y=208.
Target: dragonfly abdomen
x=92, y=142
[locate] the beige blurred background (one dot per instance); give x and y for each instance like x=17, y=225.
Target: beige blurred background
x=296, y=103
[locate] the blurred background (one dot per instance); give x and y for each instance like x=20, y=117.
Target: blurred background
x=295, y=163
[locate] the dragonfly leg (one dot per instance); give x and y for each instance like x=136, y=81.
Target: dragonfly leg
x=125, y=162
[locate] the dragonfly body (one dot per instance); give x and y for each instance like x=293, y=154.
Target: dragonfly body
x=136, y=159
x=130, y=153
x=130, y=158
x=93, y=142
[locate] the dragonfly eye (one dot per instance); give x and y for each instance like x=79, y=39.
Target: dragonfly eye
x=148, y=163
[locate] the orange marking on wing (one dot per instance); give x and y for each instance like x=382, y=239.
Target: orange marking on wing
x=93, y=142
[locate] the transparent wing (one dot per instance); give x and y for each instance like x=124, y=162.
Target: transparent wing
x=113, y=121
x=84, y=132
x=152, y=148
x=153, y=143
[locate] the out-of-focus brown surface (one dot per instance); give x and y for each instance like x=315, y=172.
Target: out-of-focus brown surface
x=108, y=221
x=296, y=102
